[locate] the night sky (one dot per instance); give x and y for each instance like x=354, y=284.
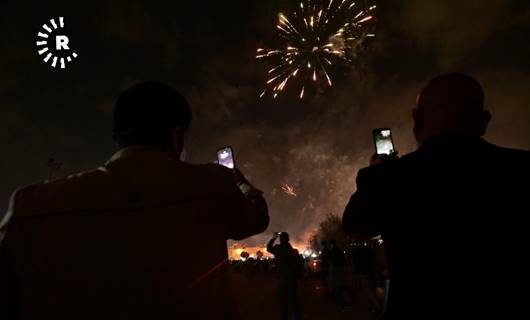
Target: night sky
x=206, y=50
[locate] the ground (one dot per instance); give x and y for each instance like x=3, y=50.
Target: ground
x=256, y=298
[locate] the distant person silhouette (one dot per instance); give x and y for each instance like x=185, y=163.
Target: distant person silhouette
x=446, y=211
x=325, y=260
x=287, y=261
x=141, y=237
x=336, y=272
x=365, y=265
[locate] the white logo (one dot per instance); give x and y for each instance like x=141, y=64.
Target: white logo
x=61, y=44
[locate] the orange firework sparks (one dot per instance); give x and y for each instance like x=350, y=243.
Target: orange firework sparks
x=289, y=190
x=320, y=34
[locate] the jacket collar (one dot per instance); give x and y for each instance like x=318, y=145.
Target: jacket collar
x=451, y=141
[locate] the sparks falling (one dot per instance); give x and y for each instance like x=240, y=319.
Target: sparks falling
x=319, y=35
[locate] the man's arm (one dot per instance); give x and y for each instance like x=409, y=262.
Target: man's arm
x=256, y=215
x=251, y=214
x=361, y=216
x=270, y=245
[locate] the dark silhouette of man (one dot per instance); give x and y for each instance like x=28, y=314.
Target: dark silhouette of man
x=141, y=237
x=446, y=210
x=325, y=261
x=336, y=273
x=287, y=261
x=365, y=263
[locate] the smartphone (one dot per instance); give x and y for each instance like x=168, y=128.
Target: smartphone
x=225, y=157
x=383, y=141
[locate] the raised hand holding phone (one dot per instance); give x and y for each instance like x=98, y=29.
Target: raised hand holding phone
x=225, y=157
x=383, y=141
x=384, y=146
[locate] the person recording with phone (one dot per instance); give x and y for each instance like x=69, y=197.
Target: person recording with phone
x=288, y=264
x=141, y=237
x=444, y=209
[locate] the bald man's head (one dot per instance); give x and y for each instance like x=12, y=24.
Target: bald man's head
x=450, y=104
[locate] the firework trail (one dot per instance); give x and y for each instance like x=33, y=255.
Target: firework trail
x=289, y=190
x=317, y=36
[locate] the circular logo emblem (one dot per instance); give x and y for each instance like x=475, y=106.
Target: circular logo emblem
x=52, y=44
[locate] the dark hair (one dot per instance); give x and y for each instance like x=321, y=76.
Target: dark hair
x=453, y=91
x=146, y=112
x=284, y=237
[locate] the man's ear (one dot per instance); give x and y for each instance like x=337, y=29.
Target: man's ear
x=419, y=122
x=177, y=142
x=484, y=121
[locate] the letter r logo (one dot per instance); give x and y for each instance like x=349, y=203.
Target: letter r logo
x=60, y=54
x=61, y=42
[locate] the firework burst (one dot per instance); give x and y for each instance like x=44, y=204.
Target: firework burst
x=318, y=35
x=289, y=190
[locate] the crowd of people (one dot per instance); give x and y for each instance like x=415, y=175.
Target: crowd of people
x=355, y=273
x=107, y=243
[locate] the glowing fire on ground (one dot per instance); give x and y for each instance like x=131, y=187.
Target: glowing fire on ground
x=235, y=251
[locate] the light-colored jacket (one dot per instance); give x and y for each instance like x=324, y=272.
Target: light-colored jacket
x=142, y=237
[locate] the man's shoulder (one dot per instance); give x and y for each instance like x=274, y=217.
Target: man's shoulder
x=417, y=163
x=48, y=187
x=210, y=173
x=378, y=171
x=31, y=199
x=510, y=154
x=209, y=180
x=215, y=170
x=510, y=165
